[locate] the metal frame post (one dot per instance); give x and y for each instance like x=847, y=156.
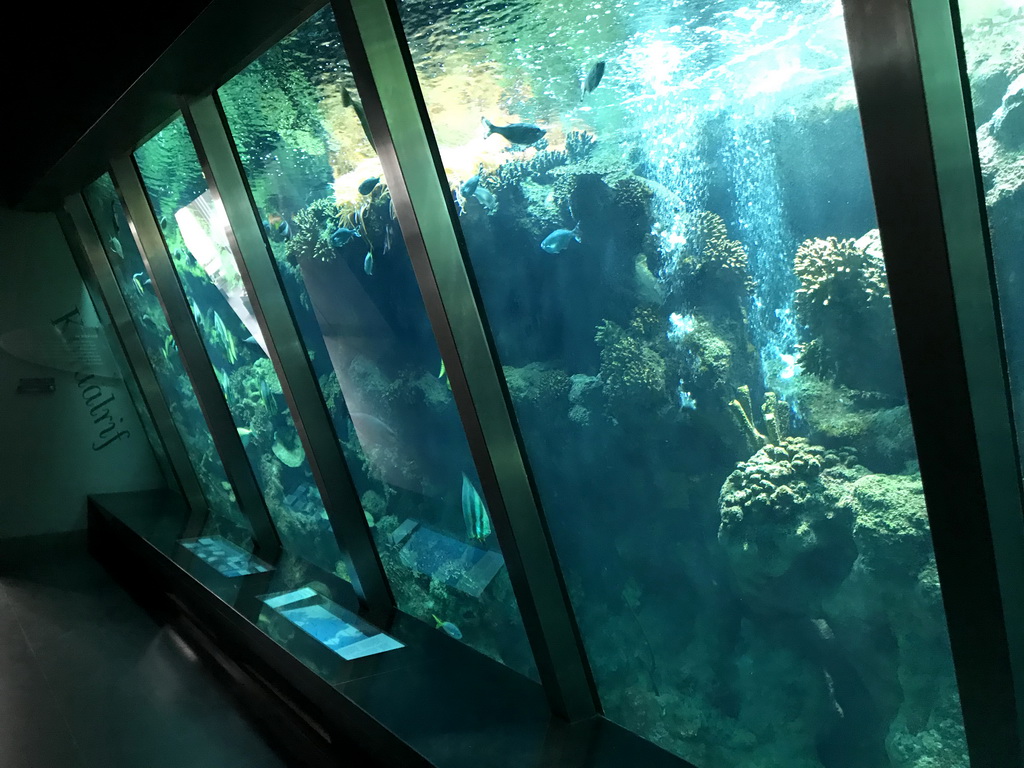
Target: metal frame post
x=247, y=240
x=146, y=231
x=931, y=216
x=90, y=257
x=374, y=40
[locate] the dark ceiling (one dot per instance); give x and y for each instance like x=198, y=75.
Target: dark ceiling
x=66, y=64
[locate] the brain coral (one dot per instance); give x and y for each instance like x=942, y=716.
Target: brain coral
x=787, y=520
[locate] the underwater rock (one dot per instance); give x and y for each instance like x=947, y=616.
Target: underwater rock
x=879, y=432
x=632, y=372
x=888, y=615
x=536, y=386
x=584, y=399
x=787, y=525
x=843, y=287
x=289, y=452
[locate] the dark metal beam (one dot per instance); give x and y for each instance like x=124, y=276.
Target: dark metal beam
x=146, y=231
x=90, y=257
x=386, y=80
x=248, y=243
x=931, y=216
x=230, y=33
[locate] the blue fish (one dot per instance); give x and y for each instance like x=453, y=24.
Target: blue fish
x=368, y=263
x=469, y=186
x=486, y=199
x=448, y=628
x=559, y=240
x=474, y=512
x=367, y=186
x=593, y=78
x=516, y=133
x=342, y=235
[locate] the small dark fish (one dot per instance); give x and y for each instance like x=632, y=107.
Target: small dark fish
x=388, y=235
x=357, y=107
x=516, y=133
x=368, y=263
x=342, y=235
x=163, y=222
x=592, y=80
x=113, y=216
x=266, y=395
x=469, y=186
x=369, y=185
x=559, y=240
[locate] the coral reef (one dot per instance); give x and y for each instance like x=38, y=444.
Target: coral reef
x=787, y=525
x=843, y=287
x=632, y=372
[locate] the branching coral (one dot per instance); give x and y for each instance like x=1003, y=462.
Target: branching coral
x=774, y=411
x=843, y=300
x=787, y=524
x=579, y=145
x=312, y=229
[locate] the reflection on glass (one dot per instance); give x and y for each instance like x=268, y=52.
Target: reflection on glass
x=194, y=228
x=151, y=324
x=328, y=216
x=992, y=33
x=669, y=217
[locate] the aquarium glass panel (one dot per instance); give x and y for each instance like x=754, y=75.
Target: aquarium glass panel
x=195, y=230
x=992, y=33
x=147, y=315
x=668, y=214
x=328, y=216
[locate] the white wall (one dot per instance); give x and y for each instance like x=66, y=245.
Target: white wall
x=85, y=437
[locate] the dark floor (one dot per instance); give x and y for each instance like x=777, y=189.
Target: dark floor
x=89, y=680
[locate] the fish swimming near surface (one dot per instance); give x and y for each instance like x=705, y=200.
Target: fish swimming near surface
x=115, y=247
x=368, y=185
x=448, y=628
x=342, y=235
x=368, y=263
x=469, y=186
x=559, y=240
x=516, y=133
x=474, y=512
x=347, y=100
x=486, y=199
x=592, y=80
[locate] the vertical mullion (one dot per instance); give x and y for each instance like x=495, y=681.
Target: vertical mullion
x=931, y=218
x=90, y=256
x=246, y=238
x=387, y=83
x=209, y=395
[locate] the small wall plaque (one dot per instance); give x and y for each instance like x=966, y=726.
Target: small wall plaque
x=45, y=386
